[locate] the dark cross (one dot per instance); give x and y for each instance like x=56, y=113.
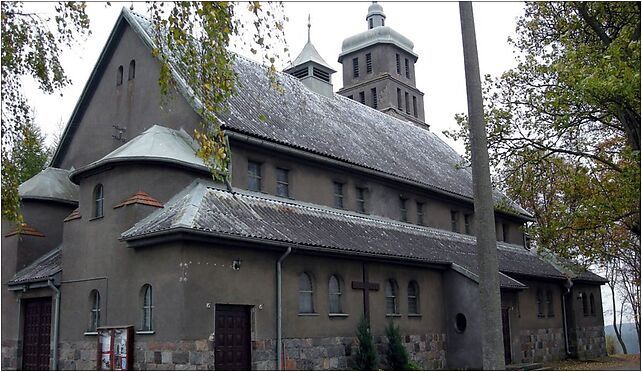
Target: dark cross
x=119, y=137
x=366, y=287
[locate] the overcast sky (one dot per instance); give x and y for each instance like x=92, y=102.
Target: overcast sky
x=433, y=27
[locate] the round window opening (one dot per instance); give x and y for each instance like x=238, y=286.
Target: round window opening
x=460, y=322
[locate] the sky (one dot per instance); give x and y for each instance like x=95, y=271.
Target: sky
x=434, y=27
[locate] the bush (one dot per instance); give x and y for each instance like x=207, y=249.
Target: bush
x=610, y=344
x=365, y=359
x=396, y=354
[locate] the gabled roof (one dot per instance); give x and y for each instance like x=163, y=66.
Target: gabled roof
x=203, y=207
x=25, y=230
x=50, y=184
x=42, y=269
x=334, y=127
x=155, y=144
x=141, y=197
x=310, y=54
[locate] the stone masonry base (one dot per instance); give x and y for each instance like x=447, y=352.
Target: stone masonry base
x=591, y=342
x=541, y=345
x=319, y=353
x=9, y=355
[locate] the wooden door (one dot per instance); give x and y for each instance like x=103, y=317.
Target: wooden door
x=506, y=333
x=36, y=336
x=232, y=349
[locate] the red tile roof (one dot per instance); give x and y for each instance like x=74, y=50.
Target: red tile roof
x=26, y=230
x=140, y=197
x=74, y=215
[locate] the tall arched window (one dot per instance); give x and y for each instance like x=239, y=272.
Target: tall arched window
x=391, y=297
x=592, y=304
x=585, y=306
x=148, y=308
x=119, y=75
x=94, y=312
x=99, y=199
x=132, y=70
x=413, y=297
x=549, y=303
x=305, y=294
x=334, y=295
x=540, y=303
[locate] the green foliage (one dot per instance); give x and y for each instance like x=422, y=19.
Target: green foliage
x=30, y=47
x=192, y=40
x=365, y=358
x=29, y=154
x=563, y=126
x=396, y=354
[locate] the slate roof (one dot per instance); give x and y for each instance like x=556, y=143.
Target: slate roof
x=156, y=143
x=334, y=127
x=204, y=207
x=42, y=269
x=50, y=184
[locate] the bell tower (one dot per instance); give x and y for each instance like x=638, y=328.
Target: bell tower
x=379, y=70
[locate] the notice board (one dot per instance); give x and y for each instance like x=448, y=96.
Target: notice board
x=115, y=348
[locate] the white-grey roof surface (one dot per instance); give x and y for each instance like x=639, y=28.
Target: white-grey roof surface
x=335, y=127
x=309, y=53
x=50, y=184
x=157, y=143
x=376, y=35
x=206, y=207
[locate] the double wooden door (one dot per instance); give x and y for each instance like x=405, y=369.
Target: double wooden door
x=232, y=349
x=37, y=334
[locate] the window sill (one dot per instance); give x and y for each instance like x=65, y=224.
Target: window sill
x=393, y=315
x=308, y=314
x=145, y=332
x=91, y=333
x=414, y=315
x=338, y=315
x=96, y=218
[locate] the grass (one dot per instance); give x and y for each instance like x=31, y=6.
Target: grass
x=611, y=362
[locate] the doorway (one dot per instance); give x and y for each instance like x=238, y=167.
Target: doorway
x=232, y=329
x=36, y=334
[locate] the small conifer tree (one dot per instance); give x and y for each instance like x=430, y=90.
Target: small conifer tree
x=365, y=358
x=396, y=354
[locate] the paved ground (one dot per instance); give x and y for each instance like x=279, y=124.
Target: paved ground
x=616, y=362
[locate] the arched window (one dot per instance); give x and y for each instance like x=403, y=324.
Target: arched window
x=334, y=295
x=148, y=308
x=540, y=304
x=592, y=304
x=391, y=297
x=413, y=298
x=549, y=303
x=119, y=75
x=585, y=305
x=94, y=311
x=132, y=70
x=99, y=199
x=305, y=294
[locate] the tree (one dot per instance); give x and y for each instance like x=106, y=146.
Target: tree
x=365, y=359
x=192, y=36
x=396, y=354
x=29, y=154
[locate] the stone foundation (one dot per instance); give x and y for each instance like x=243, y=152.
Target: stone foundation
x=541, y=345
x=335, y=353
x=591, y=342
x=9, y=355
x=319, y=353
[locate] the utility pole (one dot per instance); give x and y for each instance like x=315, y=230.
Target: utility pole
x=489, y=295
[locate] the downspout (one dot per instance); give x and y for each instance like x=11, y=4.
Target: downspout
x=279, y=331
x=56, y=324
x=568, y=284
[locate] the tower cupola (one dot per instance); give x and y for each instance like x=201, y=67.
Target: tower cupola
x=311, y=69
x=376, y=17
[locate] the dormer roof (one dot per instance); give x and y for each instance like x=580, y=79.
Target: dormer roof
x=310, y=54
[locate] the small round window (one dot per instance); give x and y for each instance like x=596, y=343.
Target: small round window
x=460, y=322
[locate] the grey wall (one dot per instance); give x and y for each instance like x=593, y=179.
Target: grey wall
x=134, y=105
x=464, y=348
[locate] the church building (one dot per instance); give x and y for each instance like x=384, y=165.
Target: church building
x=341, y=206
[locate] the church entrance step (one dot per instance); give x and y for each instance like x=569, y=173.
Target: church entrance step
x=527, y=367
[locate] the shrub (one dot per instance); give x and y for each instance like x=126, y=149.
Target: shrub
x=396, y=354
x=365, y=358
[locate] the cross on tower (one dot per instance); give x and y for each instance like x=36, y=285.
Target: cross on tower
x=366, y=287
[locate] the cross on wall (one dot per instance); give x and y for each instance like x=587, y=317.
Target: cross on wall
x=366, y=287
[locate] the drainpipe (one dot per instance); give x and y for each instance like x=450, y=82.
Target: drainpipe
x=56, y=324
x=568, y=284
x=279, y=331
